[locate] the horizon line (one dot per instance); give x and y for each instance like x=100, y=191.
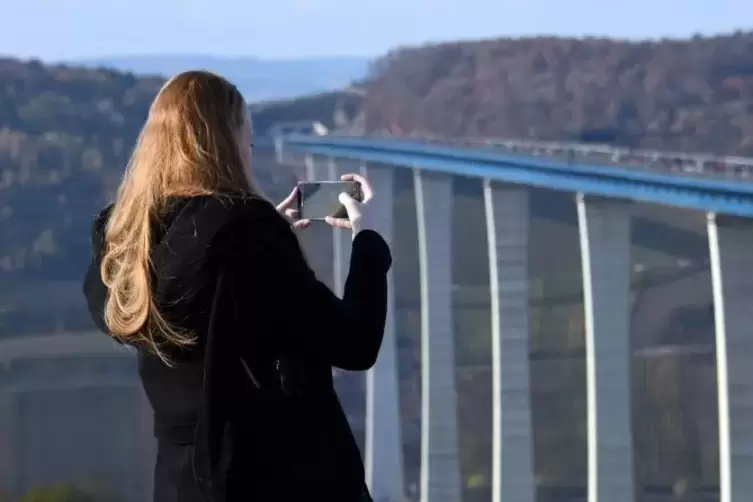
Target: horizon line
x=659, y=37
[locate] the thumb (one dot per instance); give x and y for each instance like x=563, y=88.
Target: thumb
x=289, y=200
x=351, y=205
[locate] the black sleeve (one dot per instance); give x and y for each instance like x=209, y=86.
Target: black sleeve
x=94, y=290
x=283, y=298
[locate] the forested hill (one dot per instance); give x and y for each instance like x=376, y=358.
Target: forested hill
x=691, y=95
x=65, y=137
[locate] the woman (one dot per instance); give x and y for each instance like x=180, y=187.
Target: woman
x=236, y=337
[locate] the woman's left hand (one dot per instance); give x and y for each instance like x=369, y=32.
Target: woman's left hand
x=286, y=209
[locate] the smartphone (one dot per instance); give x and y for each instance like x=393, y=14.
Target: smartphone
x=319, y=199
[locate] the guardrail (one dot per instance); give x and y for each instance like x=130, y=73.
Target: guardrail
x=676, y=163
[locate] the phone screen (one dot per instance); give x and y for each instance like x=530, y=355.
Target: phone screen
x=319, y=199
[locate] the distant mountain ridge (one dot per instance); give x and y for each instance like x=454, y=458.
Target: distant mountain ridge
x=258, y=79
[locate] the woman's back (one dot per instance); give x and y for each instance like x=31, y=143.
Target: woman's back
x=236, y=336
x=251, y=404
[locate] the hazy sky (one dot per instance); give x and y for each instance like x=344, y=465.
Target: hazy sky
x=72, y=29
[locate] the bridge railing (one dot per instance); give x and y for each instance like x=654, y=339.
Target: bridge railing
x=678, y=163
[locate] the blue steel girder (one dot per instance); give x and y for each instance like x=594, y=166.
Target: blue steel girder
x=719, y=196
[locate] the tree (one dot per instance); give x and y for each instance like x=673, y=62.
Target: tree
x=689, y=95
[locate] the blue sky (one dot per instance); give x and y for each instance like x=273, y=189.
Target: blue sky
x=75, y=29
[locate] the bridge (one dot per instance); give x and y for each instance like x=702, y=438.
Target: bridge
x=609, y=189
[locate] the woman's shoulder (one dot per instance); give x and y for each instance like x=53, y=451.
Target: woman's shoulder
x=204, y=222
x=204, y=212
x=237, y=222
x=236, y=206
x=249, y=215
x=227, y=209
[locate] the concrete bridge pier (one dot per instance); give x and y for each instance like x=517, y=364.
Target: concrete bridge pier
x=507, y=222
x=384, y=438
x=604, y=226
x=440, y=464
x=731, y=256
x=317, y=168
x=310, y=168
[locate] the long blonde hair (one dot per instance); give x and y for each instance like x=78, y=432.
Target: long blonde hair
x=188, y=146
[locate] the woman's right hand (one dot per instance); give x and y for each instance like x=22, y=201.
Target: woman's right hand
x=360, y=214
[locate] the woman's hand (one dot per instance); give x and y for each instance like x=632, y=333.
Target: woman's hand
x=360, y=216
x=285, y=208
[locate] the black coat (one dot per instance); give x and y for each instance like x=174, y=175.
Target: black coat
x=250, y=412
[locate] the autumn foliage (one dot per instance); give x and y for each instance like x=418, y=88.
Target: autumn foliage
x=688, y=95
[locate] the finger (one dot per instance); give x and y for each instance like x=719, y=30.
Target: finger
x=368, y=192
x=351, y=204
x=288, y=200
x=301, y=224
x=292, y=214
x=338, y=222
